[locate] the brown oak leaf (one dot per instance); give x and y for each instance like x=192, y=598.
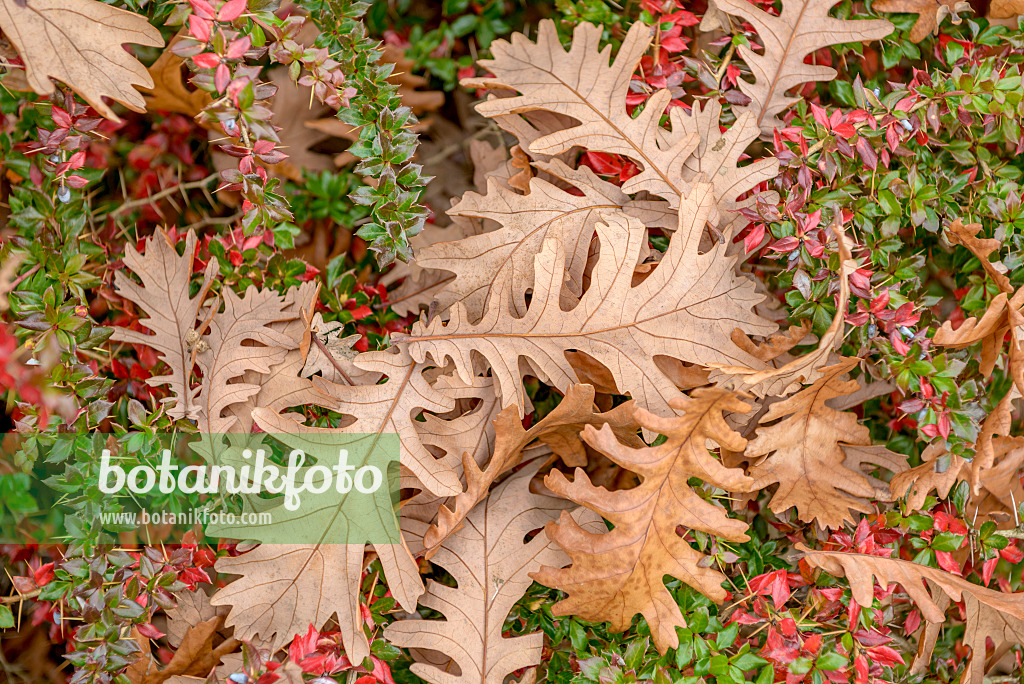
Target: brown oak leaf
x=582, y=84
x=989, y=614
x=803, y=27
x=816, y=453
x=686, y=309
x=559, y=429
x=930, y=13
x=615, y=575
x=79, y=42
x=506, y=256
x=491, y=564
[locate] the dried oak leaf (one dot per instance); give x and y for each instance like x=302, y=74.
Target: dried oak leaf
x=79, y=42
x=816, y=454
x=378, y=408
x=491, y=564
x=1005, y=314
x=803, y=27
x=718, y=156
x=686, y=308
x=916, y=483
x=1005, y=9
x=171, y=313
x=506, y=256
x=930, y=13
x=285, y=588
x=559, y=429
x=195, y=656
x=989, y=614
x=192, y=607
x=617, y=574
x=580, y=83
x=242, y=336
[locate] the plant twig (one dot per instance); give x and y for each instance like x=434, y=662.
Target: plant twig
x=19, y=597
x=181, y=187
x=330, y=357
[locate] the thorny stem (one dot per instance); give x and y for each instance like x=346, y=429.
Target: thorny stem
x=181, y=187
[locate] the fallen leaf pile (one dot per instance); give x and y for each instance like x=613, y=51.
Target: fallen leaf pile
x=547, y=274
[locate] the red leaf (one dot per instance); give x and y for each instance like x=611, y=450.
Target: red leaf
x=867, y=153
x=207, y=60
x=231, y=10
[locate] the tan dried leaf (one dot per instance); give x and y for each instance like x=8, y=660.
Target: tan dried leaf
x=391, y=407
x=803, y=27
x=989, y=614
x=1004, y=315
x=192, y=608
x=559, y=429
x=244, y=338
x=814, y=454
x=79, y=42
x=283, y=589
x=491, y=565
x=506, y=256
x=583, y=85
x=982, y=248
x=686, y=309
x=620, y=573
x=930, y=13
x=916, y=483
x=718, y=155
x=171, y=315
x=1005, y=9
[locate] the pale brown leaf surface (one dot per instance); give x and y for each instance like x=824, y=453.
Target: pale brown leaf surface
x=930, y=13
x=1005, y=9
x=989, y=614
x=79, y=42
x=244, y=337
x=983, y=248
x=559, y=429
x=803, y=27
x=390, y=407
x=506, y=256
x=491, y=565
x=807, y=453
x=717, y=157
x=192, y=608
x=170, y=314
x=686, y=309
x=283, y=589
x=1004, y=315
x=916, y=483
x=583, y=84
x=620, y=573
